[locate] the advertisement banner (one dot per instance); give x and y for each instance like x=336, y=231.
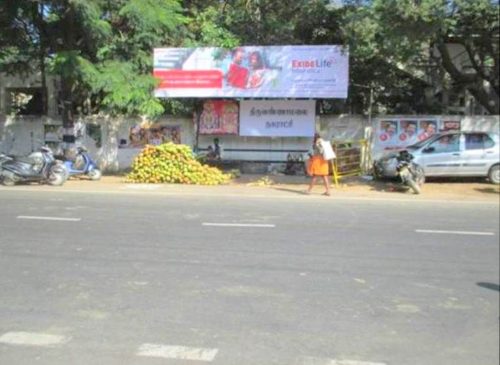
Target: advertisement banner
x=281, y=118
x=219, y=117
x=266, y=71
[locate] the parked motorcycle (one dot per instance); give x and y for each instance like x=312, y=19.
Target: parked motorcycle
x=83, y=164
x=411, y=174
x=4, y=158
x=37, y=167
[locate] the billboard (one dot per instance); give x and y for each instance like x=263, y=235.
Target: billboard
x=280, y=118
x=267, y=71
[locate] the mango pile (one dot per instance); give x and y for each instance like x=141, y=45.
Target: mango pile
x=173, y=163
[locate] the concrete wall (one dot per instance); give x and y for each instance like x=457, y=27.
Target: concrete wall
x=22, y=135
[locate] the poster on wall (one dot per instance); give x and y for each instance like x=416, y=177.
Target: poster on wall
x=387, y=132
x=398, y=133
x=141, y=135
x=450, y=125
x=426, y=129
x=282, y=118
x=219, y=117
x=253, y=71
x=408, y=131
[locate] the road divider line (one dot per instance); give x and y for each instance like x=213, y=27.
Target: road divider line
x=33, y=339
x=455, y=232
x=177, y=352
x=257, y=225
x=323, y=361
x=49, y=218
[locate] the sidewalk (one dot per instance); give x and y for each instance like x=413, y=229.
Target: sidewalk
x=282, y=186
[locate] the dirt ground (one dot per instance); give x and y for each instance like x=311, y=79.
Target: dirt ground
x=436, y=187
x=362, y=186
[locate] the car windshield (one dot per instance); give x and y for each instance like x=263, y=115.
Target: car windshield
x=417, y=145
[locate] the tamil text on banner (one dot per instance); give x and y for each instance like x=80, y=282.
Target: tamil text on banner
x=266, y=71
x=280, y=118
x=219, y=117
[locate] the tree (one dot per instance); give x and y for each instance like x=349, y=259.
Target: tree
x=418, y=38
x=101, y=51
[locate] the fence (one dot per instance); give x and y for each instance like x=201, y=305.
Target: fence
x=352, y=158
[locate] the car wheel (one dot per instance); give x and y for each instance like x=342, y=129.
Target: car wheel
x=494, y=174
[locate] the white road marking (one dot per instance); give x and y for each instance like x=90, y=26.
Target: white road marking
x=239, y=225
x=177, y=352
x=33, y=339
x=49, y=218
x=455, y=232
x=323, y=361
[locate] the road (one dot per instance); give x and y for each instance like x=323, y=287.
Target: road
x=186, y=280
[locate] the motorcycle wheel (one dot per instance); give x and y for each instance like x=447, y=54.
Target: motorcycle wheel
x=94, y=174
x=420, y=176
x=57, y=178
x=414, y=186
x=7, y=181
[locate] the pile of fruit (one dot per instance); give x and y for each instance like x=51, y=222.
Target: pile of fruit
x=173, y=163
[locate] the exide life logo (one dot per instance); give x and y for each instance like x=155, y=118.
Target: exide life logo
x=309, y=64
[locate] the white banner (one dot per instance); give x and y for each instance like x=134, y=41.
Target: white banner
x=264, y=71
x=280, y=118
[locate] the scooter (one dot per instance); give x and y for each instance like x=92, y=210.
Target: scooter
x=411, y=174
x=39, y=167
x=83, y=165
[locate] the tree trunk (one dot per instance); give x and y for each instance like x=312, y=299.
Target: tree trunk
x=67, y=84
x=37, y=10
x=473, y=82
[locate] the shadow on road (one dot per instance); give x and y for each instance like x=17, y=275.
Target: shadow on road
x=388, y=185
x=490, y=190
x=491, y=286
x=299, y=192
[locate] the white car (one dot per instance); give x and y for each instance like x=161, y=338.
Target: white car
x=451, y=154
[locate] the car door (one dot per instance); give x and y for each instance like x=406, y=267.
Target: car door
x=442, y=156
x=475, y=162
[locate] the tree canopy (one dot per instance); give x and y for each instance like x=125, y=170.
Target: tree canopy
x=445, y=44
x=101, y=51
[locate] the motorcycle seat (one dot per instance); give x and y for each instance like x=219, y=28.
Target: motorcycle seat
x=24, y=159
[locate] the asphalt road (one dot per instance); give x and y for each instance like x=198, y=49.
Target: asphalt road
x=153, y=279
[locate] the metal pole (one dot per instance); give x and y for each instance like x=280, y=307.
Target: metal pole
x=370, y=106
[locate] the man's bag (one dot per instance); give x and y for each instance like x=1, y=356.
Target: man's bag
x=328, y=153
